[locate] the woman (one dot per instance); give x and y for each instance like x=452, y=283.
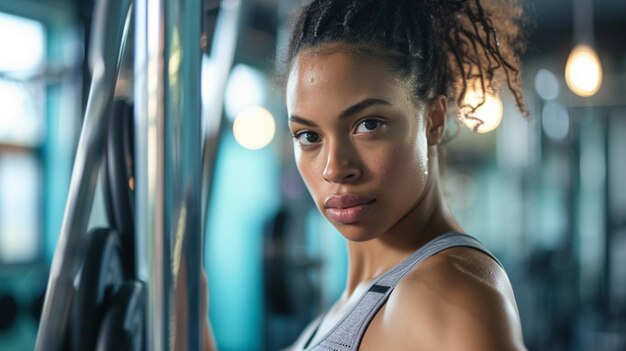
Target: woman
x=368, y=89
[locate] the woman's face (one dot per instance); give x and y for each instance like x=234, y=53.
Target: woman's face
x=359, y=139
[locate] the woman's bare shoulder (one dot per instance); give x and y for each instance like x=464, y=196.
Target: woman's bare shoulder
x=459, y=299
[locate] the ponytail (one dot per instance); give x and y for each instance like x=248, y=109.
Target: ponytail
x=483, y=42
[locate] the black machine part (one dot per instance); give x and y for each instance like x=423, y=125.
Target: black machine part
x=123, y=328
x=100, y=278
x=119, y=178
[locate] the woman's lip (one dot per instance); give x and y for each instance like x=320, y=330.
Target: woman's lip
x=349, y=215
x=346, y=200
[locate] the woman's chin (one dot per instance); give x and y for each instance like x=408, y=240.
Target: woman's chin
x=356, y=232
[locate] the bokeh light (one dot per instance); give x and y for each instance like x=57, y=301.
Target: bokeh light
x=245, y=88
x=547, y=85
x=254, y=128
x=488, y=116
x=583, y=71
x=555, y=120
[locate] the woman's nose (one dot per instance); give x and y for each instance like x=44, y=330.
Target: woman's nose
x=342, y=165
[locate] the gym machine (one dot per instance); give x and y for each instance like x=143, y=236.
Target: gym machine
x=150, y=140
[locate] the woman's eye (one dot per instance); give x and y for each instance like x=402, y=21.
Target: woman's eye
x=368, y=126
x=307, y=138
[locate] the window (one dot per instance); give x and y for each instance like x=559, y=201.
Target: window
x=22, y=122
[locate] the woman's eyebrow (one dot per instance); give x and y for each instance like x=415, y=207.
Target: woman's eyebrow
x=300, y=120
x=352, y=110
x=356, y=108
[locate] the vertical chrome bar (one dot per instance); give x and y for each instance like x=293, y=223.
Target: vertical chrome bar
x=167, y=112
x=183, y=167
x=149, y=143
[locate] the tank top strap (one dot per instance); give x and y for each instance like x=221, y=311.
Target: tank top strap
x=347, y=334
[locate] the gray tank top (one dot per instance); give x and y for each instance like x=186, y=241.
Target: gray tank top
x=347, y=334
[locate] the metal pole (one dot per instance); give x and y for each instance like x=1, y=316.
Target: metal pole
x=149, y=119
x=167, y=112
x=183, y=167
x=222, y=54
x=148, y=93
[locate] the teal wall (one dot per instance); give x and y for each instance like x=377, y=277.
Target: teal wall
x=245, y=193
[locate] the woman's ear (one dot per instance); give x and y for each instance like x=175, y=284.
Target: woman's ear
x=436, y=114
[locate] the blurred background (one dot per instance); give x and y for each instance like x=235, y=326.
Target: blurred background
x=547, y=195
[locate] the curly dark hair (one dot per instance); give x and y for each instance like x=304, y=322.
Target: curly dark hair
x=444, y=47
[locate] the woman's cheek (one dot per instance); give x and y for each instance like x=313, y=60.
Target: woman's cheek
x=408, y=165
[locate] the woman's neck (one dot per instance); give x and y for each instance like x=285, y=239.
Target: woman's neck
x=429, y=218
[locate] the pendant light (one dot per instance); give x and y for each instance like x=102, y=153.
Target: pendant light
x=583, y=70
